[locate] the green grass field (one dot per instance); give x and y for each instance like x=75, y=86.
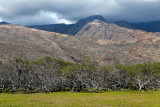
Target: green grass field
x=68, y=99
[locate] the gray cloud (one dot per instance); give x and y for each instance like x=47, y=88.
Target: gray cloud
x=28, y=12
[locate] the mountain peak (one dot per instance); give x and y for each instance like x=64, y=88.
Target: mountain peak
x=98, y=17
x=91, y=18
x=102, y=30
x=81, y=23
x=3, y=23
x=72, y=29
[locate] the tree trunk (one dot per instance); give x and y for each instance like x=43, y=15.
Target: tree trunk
x=145, y=89
x=140, y=88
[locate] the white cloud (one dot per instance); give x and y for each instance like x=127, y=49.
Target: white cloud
x=58, y=19
x=43, y=17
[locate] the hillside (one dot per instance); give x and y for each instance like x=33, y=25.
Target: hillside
x=157, y=34
x=103, y=30
x=19, y=41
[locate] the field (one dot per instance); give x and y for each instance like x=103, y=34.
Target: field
x=69, y=99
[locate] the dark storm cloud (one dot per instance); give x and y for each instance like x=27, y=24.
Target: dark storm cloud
x=29, y=12
x=140, y=10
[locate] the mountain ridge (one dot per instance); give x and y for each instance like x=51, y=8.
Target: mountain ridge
x=17, y=41
x=73, y=29
x=103, y=30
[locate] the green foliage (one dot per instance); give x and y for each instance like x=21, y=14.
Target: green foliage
x=50, y=74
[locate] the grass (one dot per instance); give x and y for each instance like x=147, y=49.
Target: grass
x=68, y=99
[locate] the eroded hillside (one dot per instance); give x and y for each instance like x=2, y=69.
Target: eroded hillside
x=19, y=41
x=103, y=30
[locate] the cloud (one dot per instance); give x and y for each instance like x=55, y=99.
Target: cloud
x=140, y=10
x=150, y=0
x=27, y=12
x=42, y=17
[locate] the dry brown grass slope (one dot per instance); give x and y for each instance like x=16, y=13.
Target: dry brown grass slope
x=157, y=34
x=19, y=41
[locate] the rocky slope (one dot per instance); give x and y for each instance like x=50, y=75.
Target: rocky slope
x=19, y=41
x=103, y=30
x=157, y=34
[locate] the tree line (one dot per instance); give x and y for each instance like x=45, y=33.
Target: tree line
x=51, y=74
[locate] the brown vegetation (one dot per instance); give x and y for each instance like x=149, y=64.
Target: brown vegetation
x=19, y=41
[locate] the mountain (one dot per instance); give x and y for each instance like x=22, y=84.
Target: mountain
x=153, y=26
x=19, y=41
x=4, y=23
x=125, y=24
x=157, y=34
x=60, y=28
x=71, y=29
x=80, y=24
x=103, y=30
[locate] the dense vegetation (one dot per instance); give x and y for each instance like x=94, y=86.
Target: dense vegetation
x=50, y=74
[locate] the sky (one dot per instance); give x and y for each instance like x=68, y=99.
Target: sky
x=38, y=12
